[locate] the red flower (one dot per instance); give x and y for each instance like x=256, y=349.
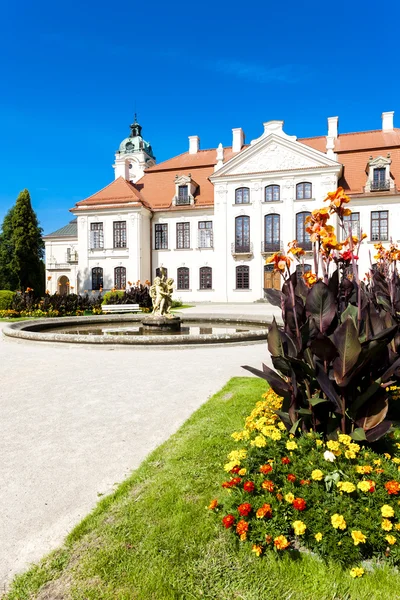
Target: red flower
x=248, y=486
x=305, y=482
x=242, y=527
x=348, y=255
x=291, y=478
x=235, y=470
x=264, y=511
x=228, y=521
x=234, y=481
x=299, y=504
x=393, y=487
x=268, y=485
x=279, y=497
x=285, y=460
x=372, y=484
x=265, y=469
x=244, y=509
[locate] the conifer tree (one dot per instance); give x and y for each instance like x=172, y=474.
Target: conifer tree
x=8, y=278
x=28, y=246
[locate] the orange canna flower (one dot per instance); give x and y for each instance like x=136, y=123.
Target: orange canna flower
x=280, y=261
x=310, y=278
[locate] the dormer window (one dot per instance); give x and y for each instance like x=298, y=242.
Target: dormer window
x=185, y=189
x=183, y=195
x=379, y=179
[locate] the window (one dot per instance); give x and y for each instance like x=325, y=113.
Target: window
x=242, y=196
x=159, y=274
x=205, y=234
x=302, y=236
x=120, y=278
x=272, y=231
x=379, y=181
x=119, y=234
x=97, y=278
x=352, y=225
x=303, y=191
x=183, y=278
x=183, y=195
x=96, y=235
x=182, y=235
x=379, y=225
x=161, y=236
x=242, y=234
x=242, y=277
x=272, y=193
x=205, y=278
x=301, y=269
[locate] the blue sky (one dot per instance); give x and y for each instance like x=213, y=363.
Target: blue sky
x=72, y=75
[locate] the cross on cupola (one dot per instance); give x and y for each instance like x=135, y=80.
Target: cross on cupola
x=136, y=129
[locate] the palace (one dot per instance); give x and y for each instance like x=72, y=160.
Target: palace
x=211, y=217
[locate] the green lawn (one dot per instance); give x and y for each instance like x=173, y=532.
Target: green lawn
x=154, y=539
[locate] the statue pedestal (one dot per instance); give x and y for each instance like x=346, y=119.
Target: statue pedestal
x=162, y=323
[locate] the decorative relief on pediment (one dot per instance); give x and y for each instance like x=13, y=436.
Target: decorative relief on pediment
x=274, y=158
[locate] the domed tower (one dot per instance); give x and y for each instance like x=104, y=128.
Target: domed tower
x=134, y=156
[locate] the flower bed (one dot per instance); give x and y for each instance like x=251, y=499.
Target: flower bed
x=337, y=498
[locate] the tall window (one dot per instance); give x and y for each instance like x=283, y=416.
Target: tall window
x=183, y=278
x=205, y=278
x=272, y=226
x=303, y=191
x=301, y=234
x=183, y=235
x=161, y=236
x=379, y=181
x=205, y=234
x=272, y=193
x=96, y=235
x=352, y=225
x=97, y=278
x=120, y=278
x=183, y=195
x=379, y=225
x=119, y=234
x=242, y=196
x=242, y=234
x=242, y=277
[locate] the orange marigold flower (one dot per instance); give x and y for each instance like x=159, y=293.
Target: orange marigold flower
x=299, y=504
x=264, y=511
x=305, y=482
x=285, y=460
x=279, y=497
x=213, y=504
x=242, y=527
x=248, y=486
x=392, y=487
x=268, y=538
x=228, y=521
x=281, y=543
x=268, y=485
x=257, y=549
x=234, y=481
x=291, y=478
x=235, y=470
x=244, y=509
x=265, y=469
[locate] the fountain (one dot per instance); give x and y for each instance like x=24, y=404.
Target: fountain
x=161, y=319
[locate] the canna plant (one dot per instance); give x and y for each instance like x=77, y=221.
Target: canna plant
x=336, y=358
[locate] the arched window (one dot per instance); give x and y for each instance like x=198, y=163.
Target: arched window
x=272, y=193
x=272, y=233
x=97, y=278
x=242, y=196
x=120, y=278
x=303, y=191
x=183, y=278
x=302, y=236
x=159, y=273
x=205, y=278
x=242, y=277
x=242, y=234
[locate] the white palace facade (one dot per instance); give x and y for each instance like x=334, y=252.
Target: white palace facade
x=211, y=217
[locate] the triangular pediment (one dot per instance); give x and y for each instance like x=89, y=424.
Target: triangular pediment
x=275, y=153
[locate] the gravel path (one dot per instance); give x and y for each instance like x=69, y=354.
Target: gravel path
x=76, y=420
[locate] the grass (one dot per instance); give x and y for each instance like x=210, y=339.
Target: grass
x=153, y=539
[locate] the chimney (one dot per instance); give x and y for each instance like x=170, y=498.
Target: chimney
x=194, y=144
x=237, y=139
x=387, y=121
x=333, y=127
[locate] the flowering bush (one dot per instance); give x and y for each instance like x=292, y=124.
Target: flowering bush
x=337, y=498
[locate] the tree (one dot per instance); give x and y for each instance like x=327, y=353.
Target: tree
x=8, y=278
x=28, y=246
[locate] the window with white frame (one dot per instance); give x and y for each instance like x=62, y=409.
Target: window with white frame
x=272, y=193
x=183, y=278
x=182, y=235
x=351, y=225
x=379, y=225
x=205, y=234
x=242, y=195
x=205, y=278
x=96, y=235
x=119, y=234
x=304, y=191
x=161, y=236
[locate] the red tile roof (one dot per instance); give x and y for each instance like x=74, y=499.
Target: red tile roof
x=119, y=192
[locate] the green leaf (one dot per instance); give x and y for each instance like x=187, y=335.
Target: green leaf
x=358, y=435
x=316, y=401
x=295, y=426
x=274, y=340
x=321, y=305
x=352, y=312
x=349, y=348
x=304, y=411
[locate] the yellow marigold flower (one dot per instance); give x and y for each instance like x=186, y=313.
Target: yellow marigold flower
x=396, y=460
x=242, y=472
x=397, y=526
x=387, y=455
x=357, y=572
x=364, y=486
x=377, y=461
x=344, y=439
x=358, y=537
x=391, y=539
x=243, y=537
x=332, y=445
x=289, y=497
x=354, y=447
x=281, y=542
x=281, y=426
x=386, y=525
x=350, y=454
x=387, y=511
x=346, y=486
x=290, y=445
x=317, y=475
x=257, y=549
x=318, y=536
x=229, y=466
x=275, y=435
x=319, y=443
x=259, y=441
x=237, y=454
x=364, y=470
x=338, y=521
x=299, y=527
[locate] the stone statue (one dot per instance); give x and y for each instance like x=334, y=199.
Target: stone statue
x=161, y=294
